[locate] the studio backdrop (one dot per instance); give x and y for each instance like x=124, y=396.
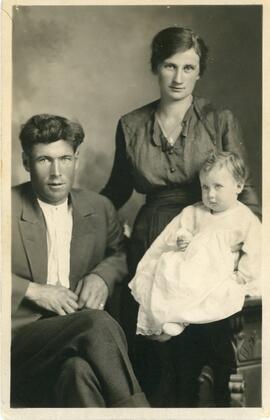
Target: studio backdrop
x=92, y=64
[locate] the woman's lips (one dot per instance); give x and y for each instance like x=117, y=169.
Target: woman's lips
x=177, y=88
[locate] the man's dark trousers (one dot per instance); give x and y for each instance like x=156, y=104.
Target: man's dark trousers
x=77, y=360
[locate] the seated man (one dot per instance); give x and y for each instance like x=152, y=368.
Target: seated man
x=67, y=254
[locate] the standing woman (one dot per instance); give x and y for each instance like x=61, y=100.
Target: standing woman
x=159, y=151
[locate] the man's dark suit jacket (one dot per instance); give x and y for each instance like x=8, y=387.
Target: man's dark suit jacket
x=96, y=246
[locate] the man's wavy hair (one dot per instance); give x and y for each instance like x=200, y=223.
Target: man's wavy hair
x=230, y=160
x=47, y=128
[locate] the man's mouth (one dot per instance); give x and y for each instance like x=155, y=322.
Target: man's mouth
x=56, y=184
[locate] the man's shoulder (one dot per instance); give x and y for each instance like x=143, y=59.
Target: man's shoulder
x=88, y=199
x=19, y=191
x=20, y=188
x=88, y=195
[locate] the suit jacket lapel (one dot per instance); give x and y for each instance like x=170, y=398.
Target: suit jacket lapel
x=83, y=238
x=33, y=231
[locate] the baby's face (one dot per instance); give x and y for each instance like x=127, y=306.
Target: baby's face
x=219, y=189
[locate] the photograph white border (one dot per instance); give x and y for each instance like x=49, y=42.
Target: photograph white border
x=127, y=414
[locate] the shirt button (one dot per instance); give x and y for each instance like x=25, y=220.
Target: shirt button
x=172, y=169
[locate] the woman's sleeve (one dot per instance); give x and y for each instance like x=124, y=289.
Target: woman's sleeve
x=232, y=140
x=120, y=184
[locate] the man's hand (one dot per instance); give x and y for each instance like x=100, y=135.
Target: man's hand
x=57, y=299
x=92, y=292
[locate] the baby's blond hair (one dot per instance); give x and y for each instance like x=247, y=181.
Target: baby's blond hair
x=230, y=160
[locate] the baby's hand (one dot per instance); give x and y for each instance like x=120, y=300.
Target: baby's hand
x=159, y=337
x=183, y=239
x=181, y=244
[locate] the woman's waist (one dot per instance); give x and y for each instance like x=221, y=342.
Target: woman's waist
x=173, y=197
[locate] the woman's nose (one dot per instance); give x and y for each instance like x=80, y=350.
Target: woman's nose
x=55, y=168
x=178, y=75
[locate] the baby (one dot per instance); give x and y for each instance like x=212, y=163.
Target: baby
x=204, y=263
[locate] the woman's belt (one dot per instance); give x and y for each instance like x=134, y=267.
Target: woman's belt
x=182, y=197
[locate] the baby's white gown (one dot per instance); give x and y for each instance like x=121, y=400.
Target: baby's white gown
x=195, y=286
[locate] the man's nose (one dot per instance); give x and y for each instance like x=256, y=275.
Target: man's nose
x=55, y=168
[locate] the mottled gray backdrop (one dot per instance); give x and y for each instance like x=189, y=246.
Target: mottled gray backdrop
x=91, y=63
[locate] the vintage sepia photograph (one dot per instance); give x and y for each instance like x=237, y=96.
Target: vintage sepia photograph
x=132, y=217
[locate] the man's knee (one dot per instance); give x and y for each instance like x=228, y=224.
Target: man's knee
x=74, y=364
x=99, y=328
x=99, y=321
x=76, y=369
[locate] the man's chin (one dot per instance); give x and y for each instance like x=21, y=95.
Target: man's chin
x=55, y=198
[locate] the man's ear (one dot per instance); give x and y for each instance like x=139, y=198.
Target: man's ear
x=25, y=160
x=76, y=158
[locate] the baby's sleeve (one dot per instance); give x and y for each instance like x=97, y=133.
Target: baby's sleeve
x=249, y=266
x=167, y=237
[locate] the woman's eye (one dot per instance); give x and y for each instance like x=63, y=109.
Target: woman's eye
x=169, y=66
x=189, y=68
x=218, y=187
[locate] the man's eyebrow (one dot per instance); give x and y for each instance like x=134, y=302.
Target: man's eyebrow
x=51, y=157
x=42, y=156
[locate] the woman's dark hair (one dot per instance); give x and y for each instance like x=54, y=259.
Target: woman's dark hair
x=47, y=128
x=171, y=40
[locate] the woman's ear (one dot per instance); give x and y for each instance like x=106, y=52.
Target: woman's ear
x=25, y=160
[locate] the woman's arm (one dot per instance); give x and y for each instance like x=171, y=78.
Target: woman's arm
x=120, y=185
x=232, y=140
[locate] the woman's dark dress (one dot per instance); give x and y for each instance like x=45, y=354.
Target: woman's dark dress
x=168, y=176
